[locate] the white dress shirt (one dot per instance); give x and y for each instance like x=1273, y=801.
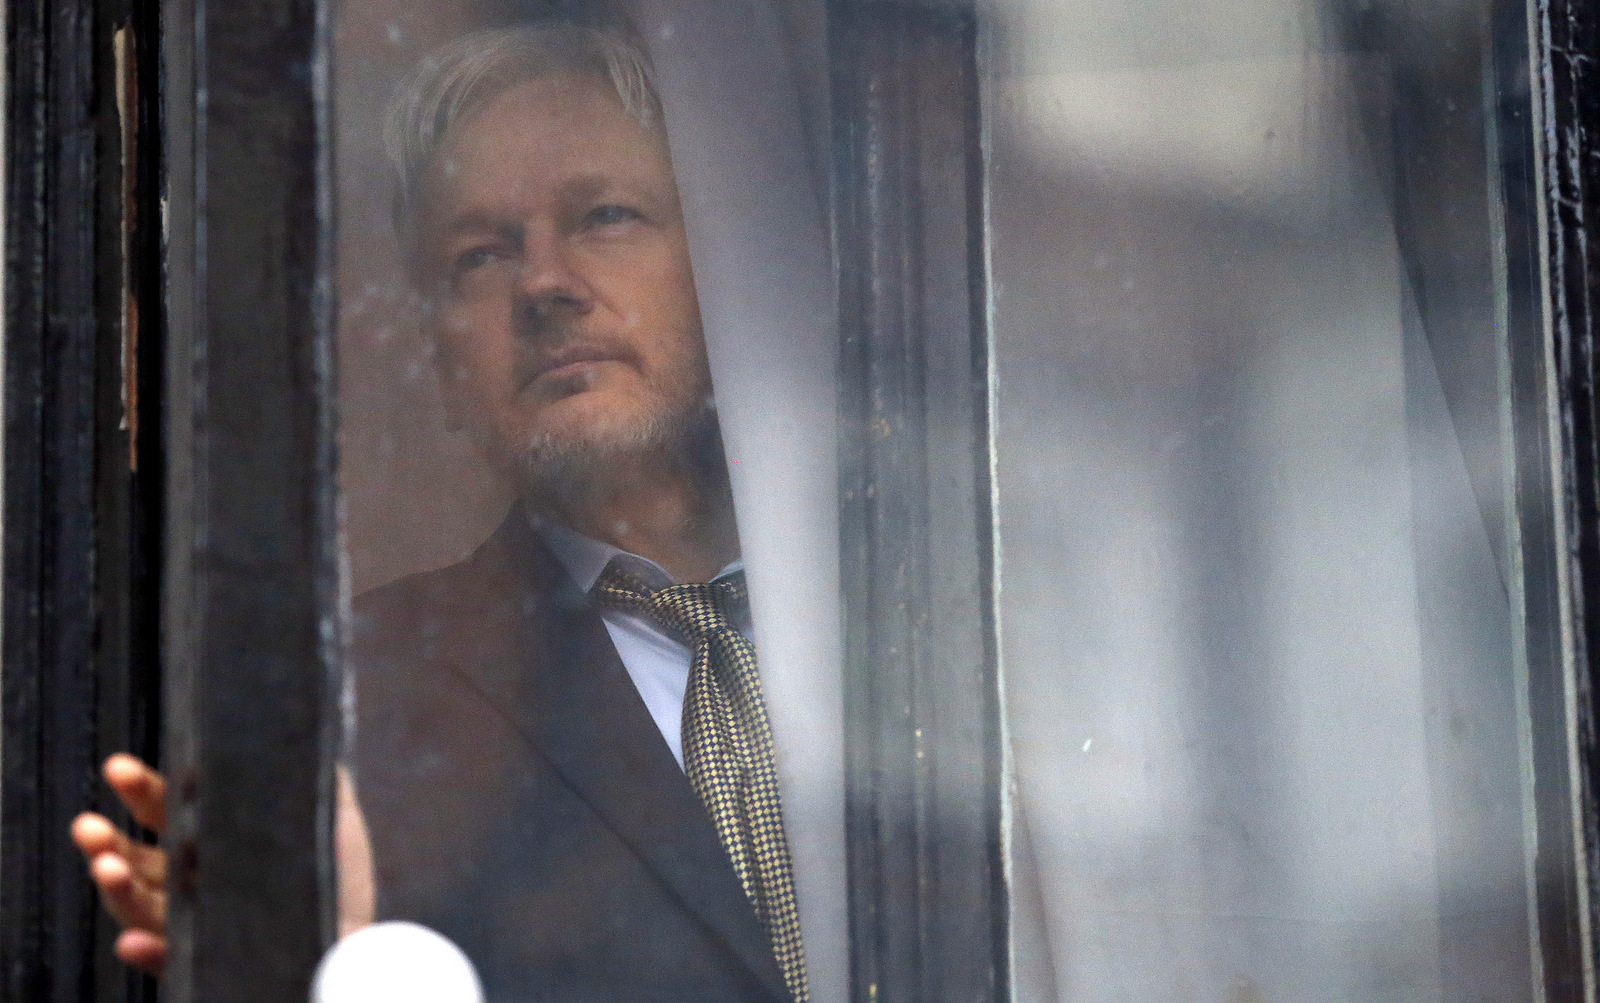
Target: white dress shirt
x=656, y=660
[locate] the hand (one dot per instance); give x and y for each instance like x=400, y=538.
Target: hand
x=132, y=877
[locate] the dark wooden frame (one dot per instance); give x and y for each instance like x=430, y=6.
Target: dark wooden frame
x=83, y=472
x=1566, y=64
x=1556, y=668
x=251, y=637
x=929, y=912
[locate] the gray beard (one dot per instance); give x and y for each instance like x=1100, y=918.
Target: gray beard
x=575, y=467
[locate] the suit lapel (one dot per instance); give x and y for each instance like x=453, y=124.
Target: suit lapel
x=567, y=692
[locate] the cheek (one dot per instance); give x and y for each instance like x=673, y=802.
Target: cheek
x=473, y=354
x=671, y=315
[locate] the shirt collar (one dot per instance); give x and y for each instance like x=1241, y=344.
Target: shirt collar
x=584, y=558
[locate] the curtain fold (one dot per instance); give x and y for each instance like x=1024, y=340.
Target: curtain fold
x=739, y=136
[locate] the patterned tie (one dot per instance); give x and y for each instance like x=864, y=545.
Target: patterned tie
x=727, y=746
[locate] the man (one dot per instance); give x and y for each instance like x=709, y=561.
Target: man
x=561, y=752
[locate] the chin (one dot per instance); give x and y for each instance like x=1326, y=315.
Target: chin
x=598, y=409
x=575, y=454
x=603, y=422
x=579, y=451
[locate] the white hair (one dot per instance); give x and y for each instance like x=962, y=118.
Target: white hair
x=458, y=77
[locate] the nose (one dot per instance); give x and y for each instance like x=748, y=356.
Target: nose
x=551, y=285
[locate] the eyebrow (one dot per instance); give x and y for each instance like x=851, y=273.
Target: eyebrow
x=478, y=220
x=589, y=185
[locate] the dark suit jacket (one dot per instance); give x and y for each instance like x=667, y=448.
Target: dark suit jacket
x=522, y=802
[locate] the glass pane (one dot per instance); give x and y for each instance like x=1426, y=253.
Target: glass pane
x=1259, y=569
x=1262, y=586
x=587, y=456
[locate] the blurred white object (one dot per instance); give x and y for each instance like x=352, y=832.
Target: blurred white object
x=396, y=963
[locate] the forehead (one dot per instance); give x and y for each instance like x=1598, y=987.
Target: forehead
x=536, y=137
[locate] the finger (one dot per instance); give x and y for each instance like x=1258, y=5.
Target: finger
x=149, y=863
x=141, y=789
x=143, y=950
x=353, y=854
x=133, y=902
x=114, y=880
x=95, y=835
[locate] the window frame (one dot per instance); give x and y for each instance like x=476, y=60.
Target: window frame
x=251, y=585
x=1564, y=209
x=929, y=897
x=238, y=523
x=81, y=511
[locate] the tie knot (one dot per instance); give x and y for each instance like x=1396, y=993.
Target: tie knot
x=693, y=609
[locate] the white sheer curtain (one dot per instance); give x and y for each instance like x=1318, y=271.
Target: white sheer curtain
x=1256, y=644
x=1257, y=648
x=739, y=122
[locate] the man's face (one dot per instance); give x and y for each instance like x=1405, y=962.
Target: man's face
x=553, y=253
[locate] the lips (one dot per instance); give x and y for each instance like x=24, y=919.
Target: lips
x=566, y=356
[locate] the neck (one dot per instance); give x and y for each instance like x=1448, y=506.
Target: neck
x=662, y=508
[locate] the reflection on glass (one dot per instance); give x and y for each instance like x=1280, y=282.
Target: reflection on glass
x=560, y=750
x=1258, y=572
x=1258, y=586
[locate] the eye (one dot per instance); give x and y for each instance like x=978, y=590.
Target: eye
x=610, y=215
x=476, y=257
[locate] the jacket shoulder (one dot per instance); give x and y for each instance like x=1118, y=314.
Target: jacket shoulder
x=421, y=604
x=500, y=583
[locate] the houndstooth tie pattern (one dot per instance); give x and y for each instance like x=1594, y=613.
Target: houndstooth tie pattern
x=727, y=746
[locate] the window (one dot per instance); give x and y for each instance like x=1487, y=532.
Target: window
x=1118, y=477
